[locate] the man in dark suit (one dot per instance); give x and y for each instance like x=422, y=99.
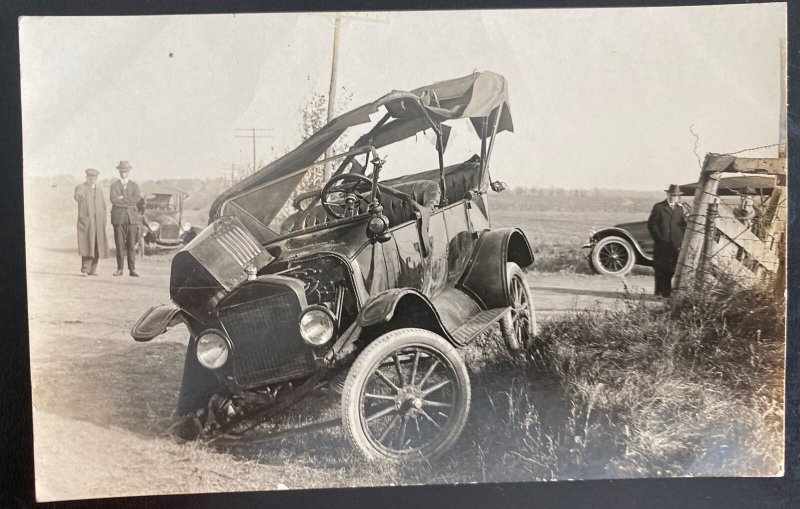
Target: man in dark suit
x=666, y=224
x=125, y=218
x=92, y=242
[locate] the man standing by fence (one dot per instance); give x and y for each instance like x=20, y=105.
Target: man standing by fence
x=92, y=241
x=125, y=218
x=666, y=224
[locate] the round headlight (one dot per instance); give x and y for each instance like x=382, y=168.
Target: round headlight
x=153, y=225
x=377, y=224
x=316, y=325
x=212, y=350
x=187, y=226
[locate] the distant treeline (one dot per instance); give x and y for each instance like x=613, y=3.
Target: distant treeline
x=586, y=193
x=219, y=184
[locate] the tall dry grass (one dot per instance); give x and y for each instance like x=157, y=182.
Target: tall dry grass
x=694, y=389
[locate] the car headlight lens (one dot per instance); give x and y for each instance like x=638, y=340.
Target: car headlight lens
x=153, y=225
x=187, y=226
x=316, y=325
x=212, y=350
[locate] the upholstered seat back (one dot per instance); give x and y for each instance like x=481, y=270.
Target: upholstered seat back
x=459, y=178
x=424, y=192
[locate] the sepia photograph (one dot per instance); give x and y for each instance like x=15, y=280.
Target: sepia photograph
x=288, y=251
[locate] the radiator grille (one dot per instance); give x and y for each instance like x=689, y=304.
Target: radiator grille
x=170, y=231
x=240, y=246
x=266, y=340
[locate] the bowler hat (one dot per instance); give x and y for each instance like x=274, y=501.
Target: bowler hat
x=124, y=166
x=674, y=190
x=91, y=172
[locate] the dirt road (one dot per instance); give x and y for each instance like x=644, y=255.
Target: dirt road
x=103, y=402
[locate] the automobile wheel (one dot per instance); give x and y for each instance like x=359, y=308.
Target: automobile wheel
x=406, y=397
x=612, y=256
x=519, y=325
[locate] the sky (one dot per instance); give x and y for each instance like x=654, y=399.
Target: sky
x=599, y=97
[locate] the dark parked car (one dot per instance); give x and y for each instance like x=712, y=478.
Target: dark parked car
x=163, y=217
x=614, y=251
x=369, y=285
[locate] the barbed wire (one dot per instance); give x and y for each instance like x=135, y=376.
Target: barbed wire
x=750, y=268
x=751, y=149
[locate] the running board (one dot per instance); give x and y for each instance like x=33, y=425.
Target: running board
x=476, y=325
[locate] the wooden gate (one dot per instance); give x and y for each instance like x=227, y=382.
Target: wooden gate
x=746, y=242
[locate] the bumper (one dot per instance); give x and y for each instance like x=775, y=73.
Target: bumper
x=156, y=321
x=170, y=243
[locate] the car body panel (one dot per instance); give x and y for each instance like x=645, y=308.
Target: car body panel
x=637, y=234
x=155, y=321
x=485, y=278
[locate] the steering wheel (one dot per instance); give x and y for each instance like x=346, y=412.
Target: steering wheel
x=350, y=194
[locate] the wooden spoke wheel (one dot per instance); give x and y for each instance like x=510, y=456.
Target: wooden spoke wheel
x=612, y=256
x=406, y=396
x=519, y=326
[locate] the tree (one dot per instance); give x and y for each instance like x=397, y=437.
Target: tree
x=314, y=116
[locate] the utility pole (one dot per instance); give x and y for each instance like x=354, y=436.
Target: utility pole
x=235, y=170
x=337, y=25
x=253, y=136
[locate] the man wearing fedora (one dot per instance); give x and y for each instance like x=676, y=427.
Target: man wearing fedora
x=92, y=241
x=666, y=224
x=125, y=218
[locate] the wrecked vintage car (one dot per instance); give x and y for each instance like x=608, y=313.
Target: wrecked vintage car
x=369, y=285
x=615, y=250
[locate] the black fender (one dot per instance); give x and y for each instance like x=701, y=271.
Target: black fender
x=641, y=257
x=400, y=308
x=485, y=277
x=198, y=384
x=156, y=320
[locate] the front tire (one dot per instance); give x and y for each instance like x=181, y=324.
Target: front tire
x=406, y=396
x=612, y=256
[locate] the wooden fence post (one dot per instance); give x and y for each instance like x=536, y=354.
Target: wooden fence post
x=689, y=259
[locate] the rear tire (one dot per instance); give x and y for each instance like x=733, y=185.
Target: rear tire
x=519, y=326
x=612, y=256
x=406, y=397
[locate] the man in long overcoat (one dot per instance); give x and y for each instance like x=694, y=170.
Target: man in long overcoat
x=666, y=224
x=92, y=241
x=125, y=217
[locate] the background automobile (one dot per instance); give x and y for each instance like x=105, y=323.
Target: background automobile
x=614, y=251
x=162, y=211
x=369, y=285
